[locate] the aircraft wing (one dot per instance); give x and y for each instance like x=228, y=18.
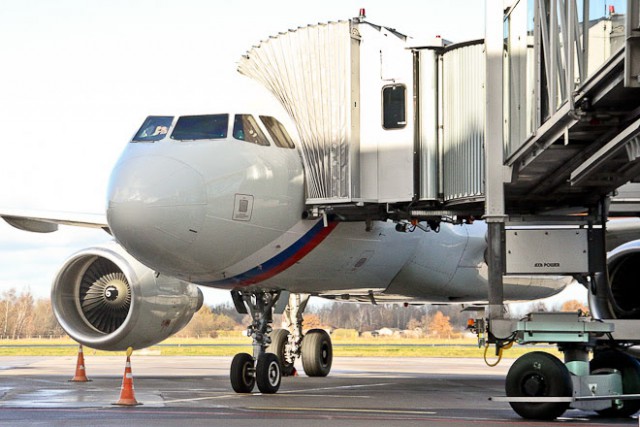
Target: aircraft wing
x=47, y=221
x=619, y=231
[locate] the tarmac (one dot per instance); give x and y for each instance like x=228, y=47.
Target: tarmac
x=194, y=391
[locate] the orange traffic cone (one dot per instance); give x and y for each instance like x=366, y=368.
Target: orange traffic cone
x=127, y=396
x=81, y=375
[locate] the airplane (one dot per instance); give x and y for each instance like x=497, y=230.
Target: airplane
x=218, y=200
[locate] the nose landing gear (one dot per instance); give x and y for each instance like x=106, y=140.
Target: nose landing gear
x=275, y=351
x=262, y=368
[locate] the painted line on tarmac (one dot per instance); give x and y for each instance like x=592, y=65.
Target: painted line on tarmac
x=297, y=393
x=335, y=396
x=356, y=410
x=196, y=399
x=341, y=387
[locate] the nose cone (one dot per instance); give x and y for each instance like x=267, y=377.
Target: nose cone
x=156, y=208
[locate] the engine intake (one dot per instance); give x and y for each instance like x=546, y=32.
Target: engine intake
x=619, y=297
x=105, y=299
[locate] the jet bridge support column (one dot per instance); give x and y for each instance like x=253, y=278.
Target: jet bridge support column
x=494, y=153
x=495, y=260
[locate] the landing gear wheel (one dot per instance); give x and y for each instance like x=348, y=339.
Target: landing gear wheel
x=242, y=375
x=268, y=374
x=607, y=361
x=317, y=353
x=279, y=340
x=539, y=374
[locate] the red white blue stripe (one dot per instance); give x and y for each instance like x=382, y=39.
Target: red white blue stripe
x=282, y=260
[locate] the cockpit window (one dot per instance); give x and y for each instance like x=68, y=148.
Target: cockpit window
x=277, y=132
x=212, y=126
x=153, y=129
x=245, y=128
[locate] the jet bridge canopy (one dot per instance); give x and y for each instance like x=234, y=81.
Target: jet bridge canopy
x=348, y=87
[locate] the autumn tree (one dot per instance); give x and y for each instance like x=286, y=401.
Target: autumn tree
x=8, y=299
x=222, y=322
x=369, y=317
x=206, y=323
x=440, y=325
x=423, y=322
x=23, y=316
x=311, y=321
x=574, y=306
x=230, y=311
x=44, y=320
x=414, y=324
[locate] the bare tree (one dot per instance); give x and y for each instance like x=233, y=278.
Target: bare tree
x=8, y=300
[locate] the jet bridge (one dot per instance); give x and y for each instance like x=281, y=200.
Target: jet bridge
x=534, y=128
x=378, y=121
x=569, y=124
x=383, y=121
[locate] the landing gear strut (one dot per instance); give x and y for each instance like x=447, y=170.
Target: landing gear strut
x=262, y=368
x=275, y=351
x=314, y=348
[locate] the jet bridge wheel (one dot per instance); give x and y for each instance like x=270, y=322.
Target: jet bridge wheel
x=317, y=353
x=279, y=341
x=629, y=368
x=242, y=375
x=268, y=373
x=539, y=374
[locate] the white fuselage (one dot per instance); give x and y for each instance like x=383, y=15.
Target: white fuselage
x=229, y=214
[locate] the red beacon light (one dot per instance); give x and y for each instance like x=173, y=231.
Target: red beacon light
x=362, y=14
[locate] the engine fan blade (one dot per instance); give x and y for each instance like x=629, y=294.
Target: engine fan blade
x=105, y=296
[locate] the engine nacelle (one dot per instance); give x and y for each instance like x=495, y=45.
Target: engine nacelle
x=105, y=299
x=620, y=297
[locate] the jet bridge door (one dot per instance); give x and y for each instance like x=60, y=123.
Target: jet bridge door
x=386, y=117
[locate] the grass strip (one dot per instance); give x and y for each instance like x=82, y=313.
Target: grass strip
x=347, y=348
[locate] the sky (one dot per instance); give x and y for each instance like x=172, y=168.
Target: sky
x=78, y=77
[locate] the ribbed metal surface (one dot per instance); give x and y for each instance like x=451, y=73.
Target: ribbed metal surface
x=308, y=70
x=463, y=118
x=428, y=119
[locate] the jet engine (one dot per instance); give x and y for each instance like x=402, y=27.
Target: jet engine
x=105, y=299
x=618, y=297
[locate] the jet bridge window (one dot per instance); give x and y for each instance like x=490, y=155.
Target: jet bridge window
x=153, y=129
x=277, y=132
x=245, y=128
x=211, y=126
x=394, y=107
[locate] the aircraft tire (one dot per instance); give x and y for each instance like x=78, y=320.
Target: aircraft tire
x=317, y=353
x=629, y=368
x=279, y=340
x=268, y=373
x=242, y=374
x=539, y=374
